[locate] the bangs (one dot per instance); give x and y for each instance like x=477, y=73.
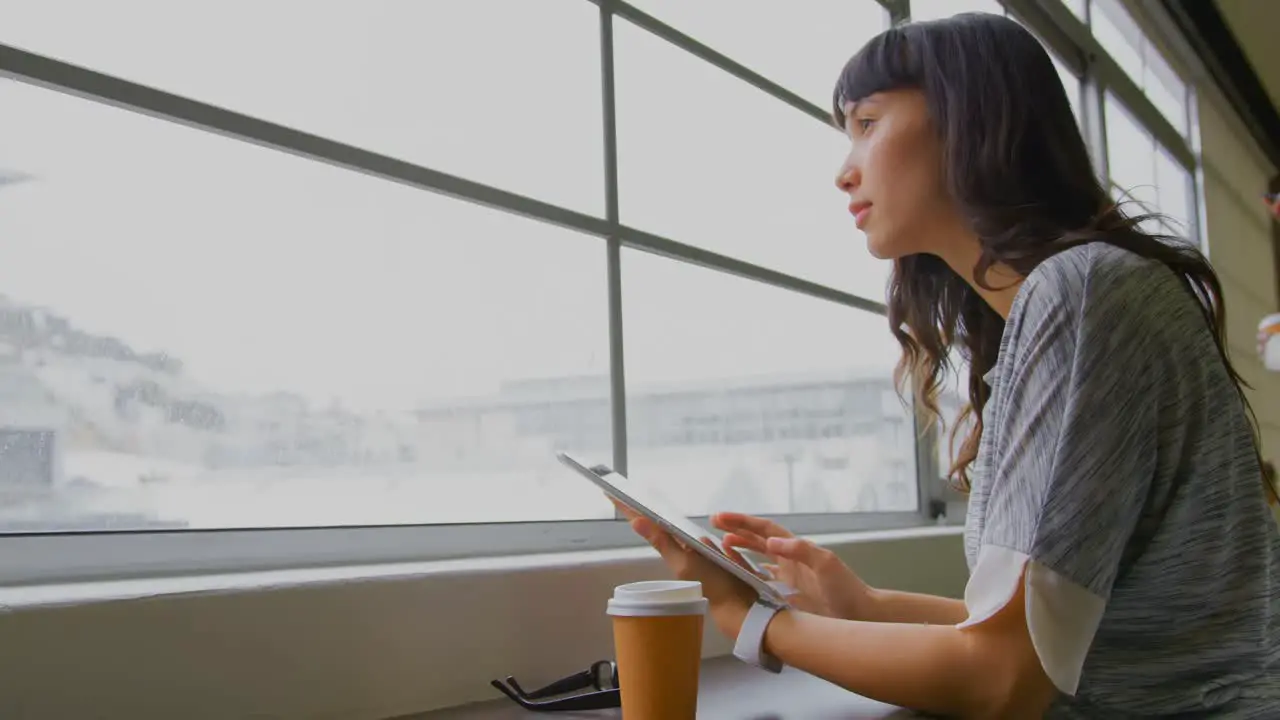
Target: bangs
x=886, y=62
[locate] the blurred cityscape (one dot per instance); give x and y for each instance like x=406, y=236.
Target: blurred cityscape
x=96, y=435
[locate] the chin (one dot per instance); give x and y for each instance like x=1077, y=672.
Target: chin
x=881, y=250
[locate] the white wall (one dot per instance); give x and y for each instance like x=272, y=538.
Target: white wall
x=1240, y=247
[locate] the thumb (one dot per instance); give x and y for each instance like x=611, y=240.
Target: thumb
x=657, y=537
x=799, y=550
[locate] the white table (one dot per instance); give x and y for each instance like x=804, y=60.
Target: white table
x=728, y=690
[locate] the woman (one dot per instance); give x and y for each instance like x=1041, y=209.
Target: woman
x=1123, y=562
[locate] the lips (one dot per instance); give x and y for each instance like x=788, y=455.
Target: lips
x=860, y=211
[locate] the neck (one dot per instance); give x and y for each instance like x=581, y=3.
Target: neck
x=962, y=254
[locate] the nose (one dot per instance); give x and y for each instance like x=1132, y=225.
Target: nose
x=850, y=175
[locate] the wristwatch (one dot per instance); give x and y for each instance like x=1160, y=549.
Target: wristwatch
x=749, y=647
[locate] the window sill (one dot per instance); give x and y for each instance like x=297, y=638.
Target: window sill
x=91, y=591
x=369, y=641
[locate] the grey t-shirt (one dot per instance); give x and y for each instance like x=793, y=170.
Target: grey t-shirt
x=1116, y=460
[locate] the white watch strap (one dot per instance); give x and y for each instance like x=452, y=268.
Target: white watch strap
x=749, y=647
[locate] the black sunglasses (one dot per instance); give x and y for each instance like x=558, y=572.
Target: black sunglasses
x=602, y=675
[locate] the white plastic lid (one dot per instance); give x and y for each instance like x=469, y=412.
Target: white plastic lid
x=656, y=598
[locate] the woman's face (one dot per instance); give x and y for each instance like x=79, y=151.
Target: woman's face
x=893, y=175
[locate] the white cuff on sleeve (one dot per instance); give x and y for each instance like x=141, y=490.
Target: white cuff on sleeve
x=1062, y=616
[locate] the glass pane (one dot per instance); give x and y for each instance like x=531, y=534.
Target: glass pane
x=505, y=92
x=1173, y=184
x=953, y=396
x=808, y=41
x=1121, y=37
x=934, y=9
x=212, y=334
x=708, y=160
x=742, y=396
x=1130, y=156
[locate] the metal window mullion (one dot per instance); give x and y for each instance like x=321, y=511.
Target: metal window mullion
x=1192, y=189
x=613, y=247
x=899, y=10
x=1095, y=127
x=658, y=245
x=94, y=86
x=720, y=60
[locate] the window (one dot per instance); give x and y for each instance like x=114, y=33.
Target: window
x=734, y=405
x=712, y=161
x=800, y=45
x=392, y=305
x=1174, y=188
x=435, y=83
x=217, y=335
x=1144, y=171
x=1128, y=45
x=1130, y=156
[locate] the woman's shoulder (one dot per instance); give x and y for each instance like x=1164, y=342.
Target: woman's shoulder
x=1094, y=270
x=1100, y=284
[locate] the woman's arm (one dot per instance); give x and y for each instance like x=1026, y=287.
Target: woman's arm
x=894, y=606
x=826, y=585
x=989, y=670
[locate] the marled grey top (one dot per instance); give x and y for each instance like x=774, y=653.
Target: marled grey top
x=1117, y=454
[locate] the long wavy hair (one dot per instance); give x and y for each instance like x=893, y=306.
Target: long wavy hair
x=1015, y=162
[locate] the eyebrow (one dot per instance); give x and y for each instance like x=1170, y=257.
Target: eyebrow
x=851, y=109
x=853, y=105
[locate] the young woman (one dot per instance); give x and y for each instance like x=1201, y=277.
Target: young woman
x=1123, y=560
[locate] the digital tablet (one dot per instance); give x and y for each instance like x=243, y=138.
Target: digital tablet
x=646, y=501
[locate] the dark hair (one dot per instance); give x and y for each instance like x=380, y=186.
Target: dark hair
x=1015, y=162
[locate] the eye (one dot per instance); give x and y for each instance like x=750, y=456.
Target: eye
x=864, y=123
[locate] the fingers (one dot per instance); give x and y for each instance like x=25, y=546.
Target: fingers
x=739, y=522
x=736, y=556
x=746, y=540
x=802, y=551
x=666, y=545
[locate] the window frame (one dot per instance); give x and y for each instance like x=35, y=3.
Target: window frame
x=36, y=557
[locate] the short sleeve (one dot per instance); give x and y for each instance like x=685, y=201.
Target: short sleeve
x=1071, y=458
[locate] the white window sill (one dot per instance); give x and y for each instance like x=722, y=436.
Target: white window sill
x=370, y=641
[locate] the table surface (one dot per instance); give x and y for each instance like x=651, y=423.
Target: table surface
x=728, y=690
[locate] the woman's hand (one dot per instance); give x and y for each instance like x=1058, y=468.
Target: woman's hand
x=826, y=585
x=730, y=598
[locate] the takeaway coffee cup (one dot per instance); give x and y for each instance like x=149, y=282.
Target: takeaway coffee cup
x=657, y=636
